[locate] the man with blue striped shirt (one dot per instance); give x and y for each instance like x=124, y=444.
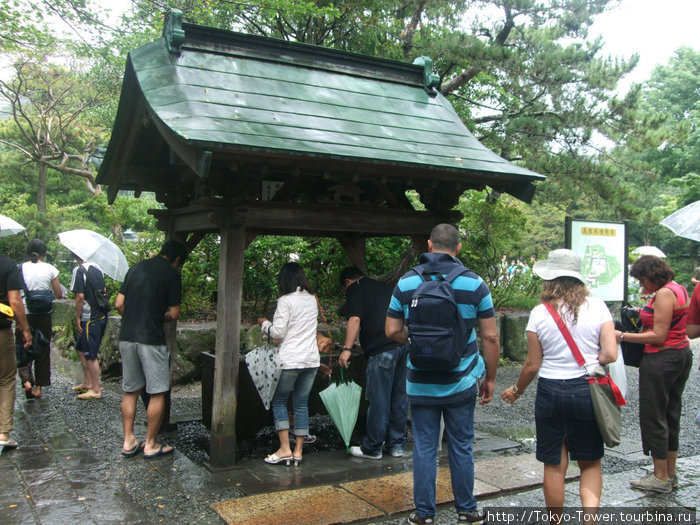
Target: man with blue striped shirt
x=451, y=394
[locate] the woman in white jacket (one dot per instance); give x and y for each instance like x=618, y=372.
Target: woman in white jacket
x=294, y=323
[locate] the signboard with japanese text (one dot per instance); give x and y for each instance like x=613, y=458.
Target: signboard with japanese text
x=602, y=247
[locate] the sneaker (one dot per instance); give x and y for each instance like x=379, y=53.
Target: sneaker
x=674, y=481
x=357, y=452
x=415, y=518
x=473, y=516
x=652, y=483
x=396, y=453
x=308, y=439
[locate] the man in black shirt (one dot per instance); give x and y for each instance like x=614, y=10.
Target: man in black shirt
x=385, y=386
x=149, y=296
x=10, y=285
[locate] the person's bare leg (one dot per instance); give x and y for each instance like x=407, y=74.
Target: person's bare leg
x=661, y=468
x=285, y=450
x=87, y=382
x=671, y=458
x=154, y=416
x=129, y=400
x=299, y=447
x=93, y=366
x=590, y=485
x=553, y=485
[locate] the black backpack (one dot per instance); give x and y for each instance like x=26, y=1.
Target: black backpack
x=437, y=332
x=102, y=300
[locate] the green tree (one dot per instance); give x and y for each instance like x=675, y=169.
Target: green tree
x=50, y=108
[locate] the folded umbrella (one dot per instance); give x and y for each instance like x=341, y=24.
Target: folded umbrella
x=9, y=226
x=343, y=404
x=92, y=247
x=265, y=370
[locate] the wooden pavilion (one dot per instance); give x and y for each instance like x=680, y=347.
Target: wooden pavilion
x=245, y=136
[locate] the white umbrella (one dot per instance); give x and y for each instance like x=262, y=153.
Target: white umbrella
x=648, y=250
x=93, y=247
x=9, y=226
x=685, y=222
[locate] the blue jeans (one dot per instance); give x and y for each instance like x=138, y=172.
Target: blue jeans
x=385, y=390
x=299, y=381
x=459, y=429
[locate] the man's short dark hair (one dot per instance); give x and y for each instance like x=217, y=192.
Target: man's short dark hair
x=172, y=250
x=351, y=272
x=445, y=237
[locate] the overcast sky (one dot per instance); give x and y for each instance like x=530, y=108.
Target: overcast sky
x=652, y=28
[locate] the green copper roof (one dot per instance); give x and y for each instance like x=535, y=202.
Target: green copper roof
x=213, y=91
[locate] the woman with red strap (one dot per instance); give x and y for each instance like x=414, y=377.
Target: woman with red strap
x=564, y=418
x=663, y=371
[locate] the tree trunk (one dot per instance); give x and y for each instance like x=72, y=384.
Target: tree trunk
x=42, y=170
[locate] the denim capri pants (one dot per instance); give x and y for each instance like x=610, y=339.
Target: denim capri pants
x=564, y=414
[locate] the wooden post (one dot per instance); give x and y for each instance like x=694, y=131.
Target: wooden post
x=222, y=449
x=354, y=245
x=170, y=330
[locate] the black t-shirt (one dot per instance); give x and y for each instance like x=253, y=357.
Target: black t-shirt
x=149, y=288
x=97, y=281
x=9, y=278
x=369, y=300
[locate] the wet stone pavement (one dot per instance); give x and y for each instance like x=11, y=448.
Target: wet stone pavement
x=68, y=470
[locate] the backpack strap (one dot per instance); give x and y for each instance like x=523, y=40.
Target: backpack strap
x=424, y=274
x=24, y=284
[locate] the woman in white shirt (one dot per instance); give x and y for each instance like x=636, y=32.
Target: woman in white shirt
x=294, y=323
x=38, y=276
x=564, y=420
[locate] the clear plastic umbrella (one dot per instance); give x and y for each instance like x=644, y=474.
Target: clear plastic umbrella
x=685, y=222
x=95, y=248
x=9, y=226
x=343, y=404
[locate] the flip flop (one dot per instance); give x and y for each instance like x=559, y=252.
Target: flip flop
x=89, y=395
x=79, y=388
x=131, y=453
x=10, y=443
x=159, y=452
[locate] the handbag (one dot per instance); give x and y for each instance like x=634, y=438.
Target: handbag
x=605, y=394
x=26, y=355
x=323, y=341
x=632, y=353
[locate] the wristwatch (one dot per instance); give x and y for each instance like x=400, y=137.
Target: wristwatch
x=622, y=336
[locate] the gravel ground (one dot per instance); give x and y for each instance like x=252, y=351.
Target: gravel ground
x=98, y=425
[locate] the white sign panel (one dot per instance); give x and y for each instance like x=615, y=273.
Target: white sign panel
x=601, y=246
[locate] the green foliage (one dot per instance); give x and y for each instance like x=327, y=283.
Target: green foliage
x=491, y=230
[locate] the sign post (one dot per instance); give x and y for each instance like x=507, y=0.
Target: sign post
x=602, y=247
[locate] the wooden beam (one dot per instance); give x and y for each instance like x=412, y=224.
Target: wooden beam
x=222, y=451
x=285, y=219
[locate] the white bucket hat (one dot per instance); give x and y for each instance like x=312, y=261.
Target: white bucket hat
x=559, y=263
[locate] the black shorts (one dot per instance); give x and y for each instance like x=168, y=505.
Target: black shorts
x=564, y=413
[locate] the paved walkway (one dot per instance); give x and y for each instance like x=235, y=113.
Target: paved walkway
x=51, y=478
